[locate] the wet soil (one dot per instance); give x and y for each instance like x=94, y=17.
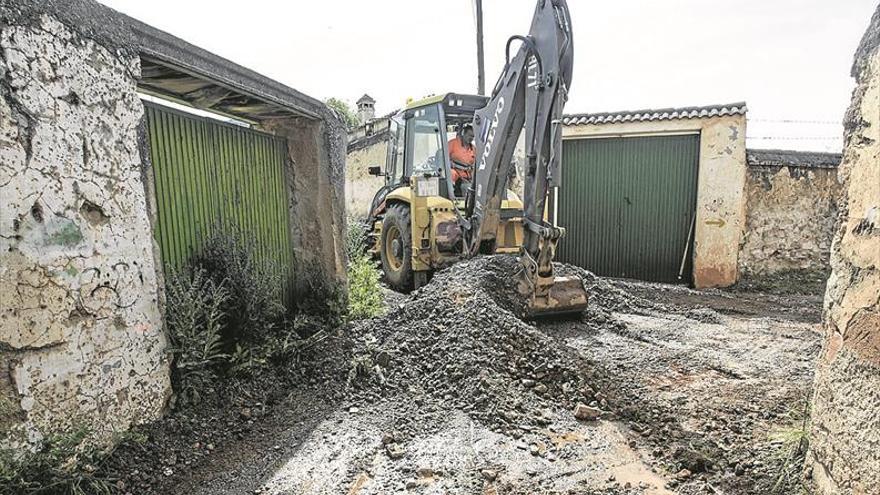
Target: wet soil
x=450, y=392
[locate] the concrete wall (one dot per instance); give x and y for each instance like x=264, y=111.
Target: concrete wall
x=790, y=220
x=81, y=338
x=845, y=431
x=317, y=191
x=360, y=187
x=720, y=190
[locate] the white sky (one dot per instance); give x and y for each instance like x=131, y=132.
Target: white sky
x=788, y=59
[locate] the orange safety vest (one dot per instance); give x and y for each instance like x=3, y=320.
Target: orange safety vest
x=462, y=154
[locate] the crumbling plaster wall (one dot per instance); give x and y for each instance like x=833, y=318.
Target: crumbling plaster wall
x=360, y=187
x=720, y=187
x=790, y=219
x=845, y=431
x=316, y=191
x=81, y=337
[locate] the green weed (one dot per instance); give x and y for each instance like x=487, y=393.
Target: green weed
x=60, y=465
x=791, y=444
x=364, y=288
x=195, y=318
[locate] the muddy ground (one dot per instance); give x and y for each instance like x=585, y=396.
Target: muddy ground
x=451, y=393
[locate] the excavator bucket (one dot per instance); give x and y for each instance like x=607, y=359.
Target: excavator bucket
x=557, y=296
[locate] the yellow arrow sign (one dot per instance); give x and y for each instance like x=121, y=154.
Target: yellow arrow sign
x=718, y=222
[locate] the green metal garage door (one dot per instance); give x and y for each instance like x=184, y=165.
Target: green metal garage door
x=213, y=176
x=628, y=205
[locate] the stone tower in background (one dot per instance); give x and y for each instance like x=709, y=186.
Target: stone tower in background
x=845, y=430
x=366, y=108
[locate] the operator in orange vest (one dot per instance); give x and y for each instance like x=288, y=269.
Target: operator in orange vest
x=461, y=151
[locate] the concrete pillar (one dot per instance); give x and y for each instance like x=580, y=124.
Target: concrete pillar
x=845, y=431
x=316, y=150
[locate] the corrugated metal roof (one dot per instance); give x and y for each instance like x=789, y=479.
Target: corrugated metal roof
x=655, y=114
x=790, y=158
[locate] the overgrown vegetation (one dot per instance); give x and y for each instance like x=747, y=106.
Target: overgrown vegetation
x=225, y=320
x=254, y=311
x=60, y=465
x=195, y=318
x=349, y=116
x=225, y=317
x=364, y=289
x=792, y=443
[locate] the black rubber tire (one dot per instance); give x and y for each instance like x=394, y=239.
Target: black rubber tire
x=399, y=277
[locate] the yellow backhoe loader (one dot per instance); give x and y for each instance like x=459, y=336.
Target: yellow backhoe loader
x=422, y=220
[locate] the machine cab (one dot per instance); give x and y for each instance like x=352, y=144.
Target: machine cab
x=418, y=144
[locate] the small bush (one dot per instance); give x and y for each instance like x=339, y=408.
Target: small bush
x=356, y=233
x=364, y=288
x=58, y=466
x=254, y=308
x=225, y=317
x=195, y=317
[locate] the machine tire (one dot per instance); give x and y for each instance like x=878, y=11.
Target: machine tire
x=397, y=260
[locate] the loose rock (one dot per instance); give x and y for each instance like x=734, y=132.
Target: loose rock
x=584, y=412
x=395, y=450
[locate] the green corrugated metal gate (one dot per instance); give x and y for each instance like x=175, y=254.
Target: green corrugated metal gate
x=210, y=175
x=628, y=205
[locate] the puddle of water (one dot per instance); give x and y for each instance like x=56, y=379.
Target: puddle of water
x=630, y=468
x=637, y=474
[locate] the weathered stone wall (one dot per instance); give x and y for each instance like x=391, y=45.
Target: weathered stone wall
x=790, y=220
x=360, y=187
x=81, y=337
x=845, y=432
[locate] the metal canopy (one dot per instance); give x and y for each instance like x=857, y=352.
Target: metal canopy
x=205, y=94
x=175, y=69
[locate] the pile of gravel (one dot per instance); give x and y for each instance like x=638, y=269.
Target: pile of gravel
x=458, y=342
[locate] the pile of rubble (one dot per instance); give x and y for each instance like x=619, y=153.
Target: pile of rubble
x=457, y=342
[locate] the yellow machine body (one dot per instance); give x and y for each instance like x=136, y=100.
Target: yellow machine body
x=435, y=232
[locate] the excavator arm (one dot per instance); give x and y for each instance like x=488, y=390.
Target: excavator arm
x=529, y=95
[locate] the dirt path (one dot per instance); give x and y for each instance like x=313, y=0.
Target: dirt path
x=692, y=384
x=706, y=395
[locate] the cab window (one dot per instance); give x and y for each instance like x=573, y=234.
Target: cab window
x=394, y=160
x=425, y=141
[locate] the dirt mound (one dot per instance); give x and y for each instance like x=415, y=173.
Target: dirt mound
x=497, y=276
x=457, y=342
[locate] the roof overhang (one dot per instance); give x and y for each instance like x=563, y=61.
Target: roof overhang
x=185, y=73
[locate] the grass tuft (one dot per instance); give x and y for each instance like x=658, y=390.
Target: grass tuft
x=791, y=444
x=60, y=465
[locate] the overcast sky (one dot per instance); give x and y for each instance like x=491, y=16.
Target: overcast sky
x=788, y=59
